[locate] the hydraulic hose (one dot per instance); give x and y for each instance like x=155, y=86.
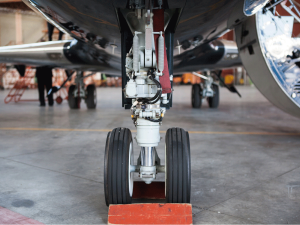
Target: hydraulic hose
x=158, y=94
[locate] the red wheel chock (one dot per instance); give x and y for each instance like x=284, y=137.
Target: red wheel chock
x=153, y=213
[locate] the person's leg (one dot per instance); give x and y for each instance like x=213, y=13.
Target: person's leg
x=60, y=35
x=50, y=31
x=41, y=84
x=48, y=87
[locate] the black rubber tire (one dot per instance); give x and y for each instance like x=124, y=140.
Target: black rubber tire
x=196, y=96
x=116, y=166
x=91, y=97
x=72, y=100
x=178, y=166
x=213, y=102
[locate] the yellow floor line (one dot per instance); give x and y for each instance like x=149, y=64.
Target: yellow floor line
x=134, y=131
x=54, y=129
x=244, y=133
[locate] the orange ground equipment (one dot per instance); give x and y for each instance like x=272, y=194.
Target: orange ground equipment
x=15, y=94
x=186, y=78
x=229, y=79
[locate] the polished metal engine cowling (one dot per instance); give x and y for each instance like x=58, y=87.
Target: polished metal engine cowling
x=253, y=6
x=266, y=49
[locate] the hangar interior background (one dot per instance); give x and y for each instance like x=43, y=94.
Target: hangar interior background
x=245, y=154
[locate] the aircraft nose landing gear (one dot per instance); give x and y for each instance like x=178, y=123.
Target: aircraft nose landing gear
x=144, y=65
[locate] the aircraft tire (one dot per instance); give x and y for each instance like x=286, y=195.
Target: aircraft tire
x=118, y=181
x=213, y=102
x=72, y=100
x=91, y=98
x=178, y=166
x=196, y=96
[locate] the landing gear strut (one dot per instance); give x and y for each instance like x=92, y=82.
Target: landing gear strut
x=143, y=65
x=207, y=89
x=77, y=92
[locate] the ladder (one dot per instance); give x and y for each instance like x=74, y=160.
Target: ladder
x=15, y=94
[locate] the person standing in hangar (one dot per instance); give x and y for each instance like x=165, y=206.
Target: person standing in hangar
x=44, y=74
x=44, y=79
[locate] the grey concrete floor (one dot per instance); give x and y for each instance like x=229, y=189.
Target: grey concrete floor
x=242, y=172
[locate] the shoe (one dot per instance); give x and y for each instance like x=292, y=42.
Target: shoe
x=50, y=103
x=42, y=104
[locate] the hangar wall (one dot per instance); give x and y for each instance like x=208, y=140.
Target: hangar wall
x=32, y=28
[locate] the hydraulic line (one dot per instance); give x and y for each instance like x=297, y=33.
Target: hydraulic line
x=158, y=94
x=153, y=120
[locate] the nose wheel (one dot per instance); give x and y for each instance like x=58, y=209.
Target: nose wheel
x=178, y=166
x=118, y=179
x=119, y=167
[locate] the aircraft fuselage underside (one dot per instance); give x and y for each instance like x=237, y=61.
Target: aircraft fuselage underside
x=98, y=21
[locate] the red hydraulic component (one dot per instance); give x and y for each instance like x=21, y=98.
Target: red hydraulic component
x=158, y=25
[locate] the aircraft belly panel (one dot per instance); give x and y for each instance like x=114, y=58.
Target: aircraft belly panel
x=97, y=19
x=206, y=18
x=85, y=20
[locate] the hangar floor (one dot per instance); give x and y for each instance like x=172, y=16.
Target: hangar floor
x=245, y=158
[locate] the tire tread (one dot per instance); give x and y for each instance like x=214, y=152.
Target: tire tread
x=178, y=185
x=116, y=184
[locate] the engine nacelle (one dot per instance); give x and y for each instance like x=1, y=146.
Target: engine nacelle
x=218, y=54
x=266, y=48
